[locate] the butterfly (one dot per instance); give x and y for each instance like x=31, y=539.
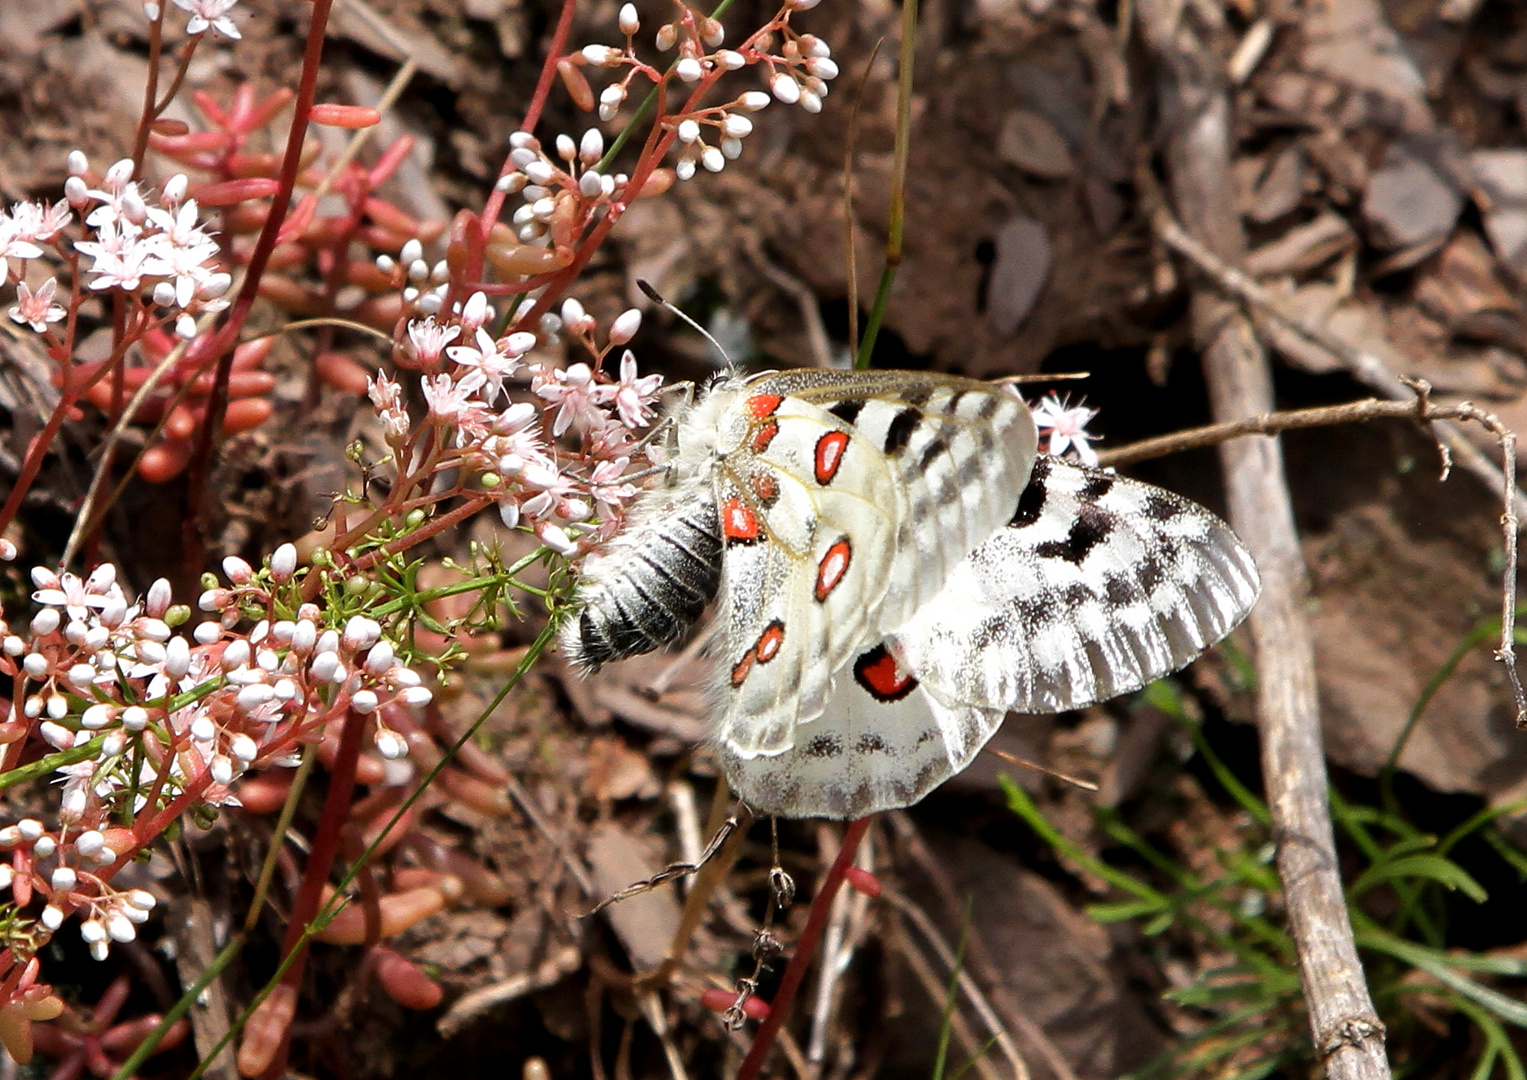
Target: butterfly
x=896, y=568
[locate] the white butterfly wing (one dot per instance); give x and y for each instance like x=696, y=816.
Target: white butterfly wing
x=1097, y=587
x=959, y=451
x=870, y=750
x=803, y=576
x=845, y=499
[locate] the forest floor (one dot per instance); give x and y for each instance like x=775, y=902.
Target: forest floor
x=1380, y=170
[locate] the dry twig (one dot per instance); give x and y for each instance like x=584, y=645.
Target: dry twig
x=673, y=870
x=1364, y=366
x=1346, y=1030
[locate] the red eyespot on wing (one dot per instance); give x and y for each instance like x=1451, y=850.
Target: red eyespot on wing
x=766, y=488
x=769, y=642
x=879, y=674
x=764, y=436
x=830, y=449
x=766, y=648
x=762, y=405
x=738, y=522
x=833, y=566
x=745, y=665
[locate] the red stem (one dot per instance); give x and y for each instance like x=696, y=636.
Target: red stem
x=223, y=341
x=477, y=238
x=549, y=68
x=800, y=960
x=336, y=811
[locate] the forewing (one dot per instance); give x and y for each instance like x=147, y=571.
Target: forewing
x=808, y=519
x=959, y=452
x=1098, y=586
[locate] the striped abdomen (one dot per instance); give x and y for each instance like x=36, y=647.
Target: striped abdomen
x=652, y=583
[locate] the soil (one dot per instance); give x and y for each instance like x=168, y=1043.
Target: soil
x=1382, y=162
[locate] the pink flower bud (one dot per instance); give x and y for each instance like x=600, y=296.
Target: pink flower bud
x=283, y=563
x=625, y=326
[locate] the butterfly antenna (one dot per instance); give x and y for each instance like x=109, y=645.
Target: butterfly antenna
x=1042, y=377
x=1085, y=785
x=657, y=298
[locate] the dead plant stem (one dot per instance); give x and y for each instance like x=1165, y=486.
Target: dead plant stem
x=1197, y=124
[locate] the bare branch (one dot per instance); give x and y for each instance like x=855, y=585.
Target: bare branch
x=1345, y=1029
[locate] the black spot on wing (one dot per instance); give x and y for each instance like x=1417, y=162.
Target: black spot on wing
x=848, y=409
x=1097, y=486
x=1151, y=573
x=917, y=397
x=1077, y=595
x=870, y=743
x=1032, y=502
x=988, y=632
x=1120, y=591
x=823, y=746
x=1034, y=612
x=900, y=430
x=1160, y=506
x=990, y=403
x=1091, y=528
x=936, y=446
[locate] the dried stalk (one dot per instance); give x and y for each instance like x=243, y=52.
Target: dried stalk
x=1346, y=1030
x=1364, y=366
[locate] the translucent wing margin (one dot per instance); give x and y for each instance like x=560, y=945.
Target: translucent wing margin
x=1098, y=586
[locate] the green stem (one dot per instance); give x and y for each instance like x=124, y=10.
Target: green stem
x=897, y=219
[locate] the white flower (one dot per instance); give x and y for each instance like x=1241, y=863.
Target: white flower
x=574, y=390
x=1064, y=425
x=490, y=360
x=37, y=309
x=120, y=257
x=427, y=339
x=209, y=13
x=632, y=396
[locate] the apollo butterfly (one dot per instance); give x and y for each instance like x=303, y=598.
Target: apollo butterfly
x=896, y=568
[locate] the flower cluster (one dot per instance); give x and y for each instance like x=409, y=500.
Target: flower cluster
x=140, y=245
x=148, y=722
x=567, y=183
x=153, y=251
x=510, y=448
